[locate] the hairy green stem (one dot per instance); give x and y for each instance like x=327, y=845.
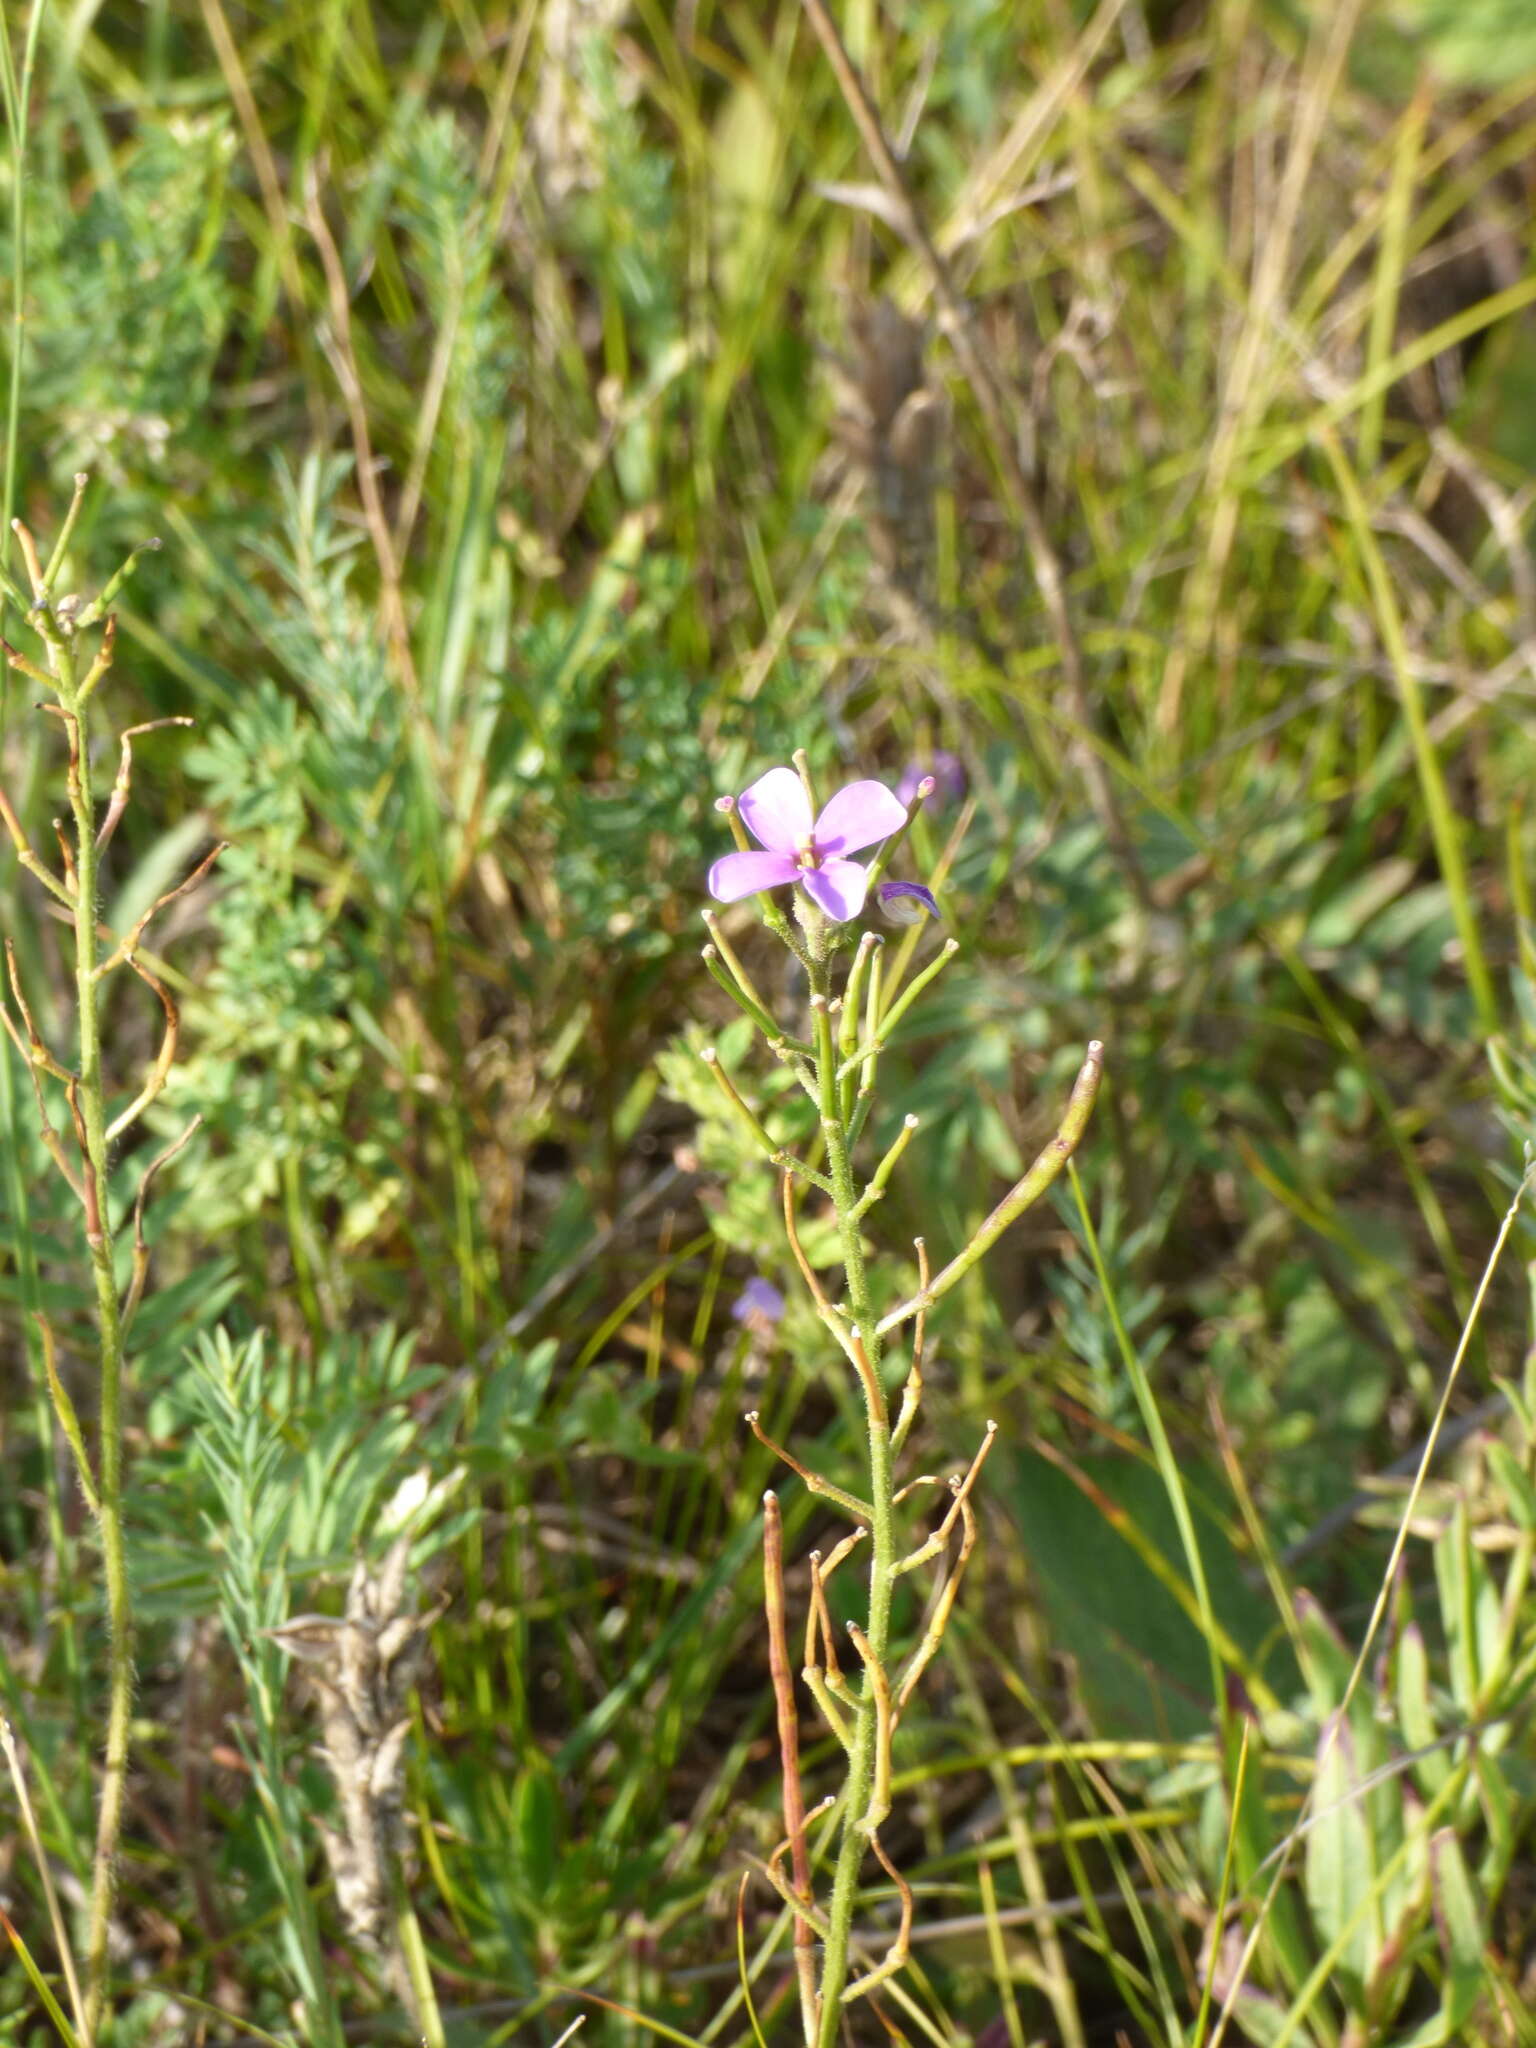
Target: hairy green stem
x=882, y=1569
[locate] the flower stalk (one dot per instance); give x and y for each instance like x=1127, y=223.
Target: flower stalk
x=849, y=1028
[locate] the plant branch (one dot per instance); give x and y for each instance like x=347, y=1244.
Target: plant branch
x=1021, y=1196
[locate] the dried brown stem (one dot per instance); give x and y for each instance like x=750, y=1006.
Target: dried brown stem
x=140, y=1271
x=961, y=1488
x=880, y=1788
x=789, y=1751
x=29, y=555
x=27, y=857
x=103, y=661
x=18, y=661
x=896, y=1957
x=774, y=1873
x=905, y=1492
x=128, y=946
x=912, y=1390
x=66, y=860
x=820, y=1676
x=71, y=724
x=933, y=1635
x=813, y=1482
x=820, y=1643
x=807, y=1271
x=843, y=1548
x=831, y=1711
x=37, y=1054
x=1022, y=1195
x=159, y=1073
x=117, y=803
x=874, y=1393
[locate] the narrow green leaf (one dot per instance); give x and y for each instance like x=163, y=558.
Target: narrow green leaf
x=40, y=1984
x=1432, y=1766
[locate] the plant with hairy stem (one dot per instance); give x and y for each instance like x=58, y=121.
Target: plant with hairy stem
x=835, y=1059
x=75, y=660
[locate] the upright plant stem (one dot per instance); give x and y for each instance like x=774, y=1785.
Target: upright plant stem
x=98, y=1232
x=861, y=1760
x=17, y=92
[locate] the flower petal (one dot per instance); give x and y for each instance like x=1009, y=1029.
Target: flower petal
x=837, y=886
x=860, y=814
x=736, y=875
x=777, y=811
x=907, y=902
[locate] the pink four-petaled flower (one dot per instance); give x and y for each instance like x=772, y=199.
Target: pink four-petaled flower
x=796, y=848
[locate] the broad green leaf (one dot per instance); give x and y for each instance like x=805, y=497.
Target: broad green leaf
x=1141, y=1665
x=1432, y=1766
x=1463, y=1938
x=1340, y=1863
x=1453, y=1576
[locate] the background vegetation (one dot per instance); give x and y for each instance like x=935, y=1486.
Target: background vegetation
x=547, y=418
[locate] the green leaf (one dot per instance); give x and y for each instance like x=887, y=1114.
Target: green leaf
x=1339, y=1860
x=1141, y=1664
x=536, y=1811
x=1515, y=1483
x=1344, y=916
x=40, y=1985
x=1463, y=1938
x=1453, y=1575
x=1432, y=1767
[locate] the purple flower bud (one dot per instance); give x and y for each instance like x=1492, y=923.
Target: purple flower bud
x=945, y=775
x=907, y=902
x=726, y=804
x=759, y=1304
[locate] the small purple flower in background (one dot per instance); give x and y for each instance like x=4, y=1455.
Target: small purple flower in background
x=949, y=779
x=906, y=902
x=759, y=1305
x=777, y=812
